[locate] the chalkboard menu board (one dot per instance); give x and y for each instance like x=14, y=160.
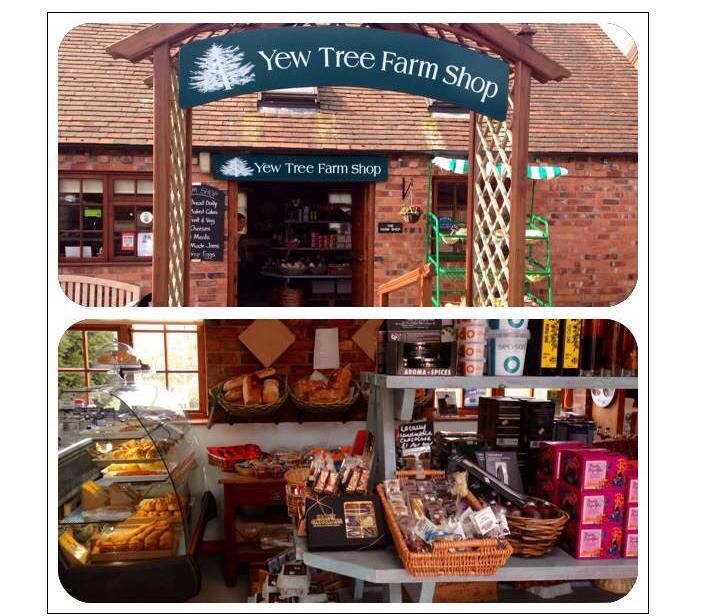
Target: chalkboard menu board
x=207, y=223
x=415, y=437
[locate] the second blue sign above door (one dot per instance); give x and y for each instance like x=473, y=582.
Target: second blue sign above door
x=299, y=167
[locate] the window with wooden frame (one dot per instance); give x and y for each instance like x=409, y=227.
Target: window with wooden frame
x=176, y=353
x=77, y=350
x=105, y=217
x=450, y=198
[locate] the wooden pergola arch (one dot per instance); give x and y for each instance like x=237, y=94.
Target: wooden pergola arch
x=495, y=260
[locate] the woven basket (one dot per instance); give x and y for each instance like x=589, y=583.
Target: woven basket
x=533, y=537
x=327, y=407
x=620, y=586
x=243, y=411
x=480, y=556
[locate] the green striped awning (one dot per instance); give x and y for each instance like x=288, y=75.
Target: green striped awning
x=533, y=172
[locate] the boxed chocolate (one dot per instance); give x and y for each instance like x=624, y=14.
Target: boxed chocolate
x=632, y=486
x=499, y=421
x=546, y=488
x=617, y=470
x=344, y=522
x=592, y=507
x=630, y=545
x=549, y=454
x=631, y=521
x=593, y=542
x=590, y=469
x=413, y=347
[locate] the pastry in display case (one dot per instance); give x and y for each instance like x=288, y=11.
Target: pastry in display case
x=132, y=500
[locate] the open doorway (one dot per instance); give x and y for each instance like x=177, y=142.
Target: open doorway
x=303, y=244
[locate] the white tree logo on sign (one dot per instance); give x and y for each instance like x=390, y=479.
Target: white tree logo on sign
x=236, y=168
x=221, y=68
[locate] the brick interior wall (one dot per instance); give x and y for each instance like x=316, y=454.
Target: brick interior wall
x=227, y=356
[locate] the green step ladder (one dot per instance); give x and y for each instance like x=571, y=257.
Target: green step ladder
x=537, y=269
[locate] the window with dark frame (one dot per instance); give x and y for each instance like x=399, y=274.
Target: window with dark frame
x=450, y=198
x=107, y=217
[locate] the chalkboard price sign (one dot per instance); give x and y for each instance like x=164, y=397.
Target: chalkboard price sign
x=415, y=437
x=207, y=223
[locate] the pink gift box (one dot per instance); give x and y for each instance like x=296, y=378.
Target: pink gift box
x=631, y=521
x=593, y=542
x=630, y=545
x=592, y=507
x=632, y=486
x=549, y=454
x=546, y=488
x=592, y=469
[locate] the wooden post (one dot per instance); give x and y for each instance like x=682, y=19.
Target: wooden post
x=470, y=215
x=232, y=243
x=519, y=184
x=188, y=206
x=161, y=180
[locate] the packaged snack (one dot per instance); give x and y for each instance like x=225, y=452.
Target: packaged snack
x=590, y=469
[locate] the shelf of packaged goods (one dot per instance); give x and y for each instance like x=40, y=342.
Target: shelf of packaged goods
x=384, y=567
x=304, y=276
x=545, y=382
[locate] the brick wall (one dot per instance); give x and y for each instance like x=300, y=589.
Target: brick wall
x=208, y=280
x=592, y=213
x=226, y=356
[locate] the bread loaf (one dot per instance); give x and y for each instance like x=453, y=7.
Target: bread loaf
x=252, y=390
x=236, y=382
x=271, y=391
x=341, y=379
x=234, y=395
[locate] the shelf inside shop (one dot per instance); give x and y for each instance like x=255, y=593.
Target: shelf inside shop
x=537, y=382
x=384, y=567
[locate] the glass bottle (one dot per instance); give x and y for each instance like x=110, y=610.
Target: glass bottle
x=630, y=354
x=570, y=346
x=592, y=347
x=613, y=348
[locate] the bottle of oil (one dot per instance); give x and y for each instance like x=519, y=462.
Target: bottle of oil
x=592, y=361
x=570, y=346
x=543, y=347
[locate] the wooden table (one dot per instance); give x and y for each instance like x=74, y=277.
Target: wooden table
x=247, y=491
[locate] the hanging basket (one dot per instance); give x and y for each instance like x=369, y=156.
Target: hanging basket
x=411, y=216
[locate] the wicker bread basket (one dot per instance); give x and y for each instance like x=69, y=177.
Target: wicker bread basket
x=327, y=407
x=243, y=411
x=480, y=556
